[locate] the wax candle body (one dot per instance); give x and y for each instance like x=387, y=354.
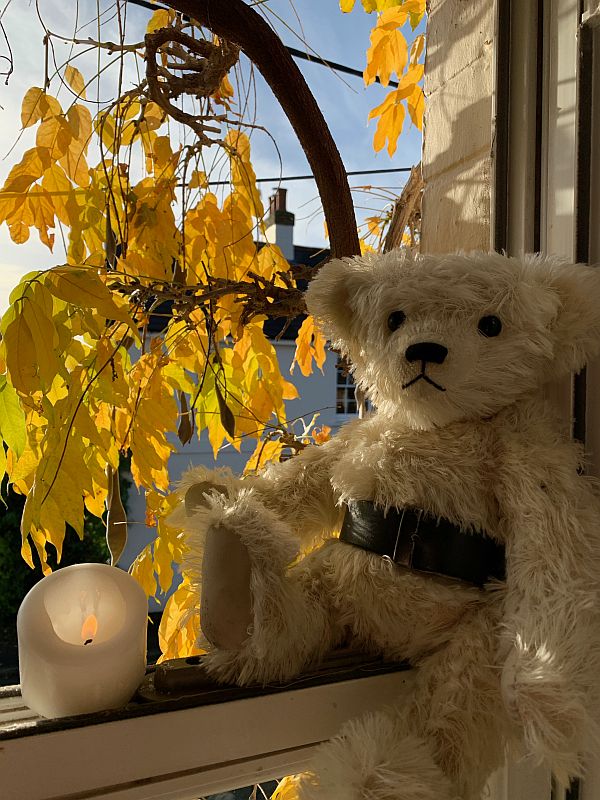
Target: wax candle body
x=82, y=640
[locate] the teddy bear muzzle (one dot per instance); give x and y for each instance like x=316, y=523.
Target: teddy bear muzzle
x=426, y=353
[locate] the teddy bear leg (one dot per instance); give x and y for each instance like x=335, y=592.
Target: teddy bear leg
x=291, y=629
x=376, y=758
x=442, y=744
x=458, y=707
x=290, y=622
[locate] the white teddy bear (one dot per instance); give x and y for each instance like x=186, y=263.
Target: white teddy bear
x=470, y=540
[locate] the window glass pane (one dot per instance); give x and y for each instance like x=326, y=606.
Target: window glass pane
x=345, y=396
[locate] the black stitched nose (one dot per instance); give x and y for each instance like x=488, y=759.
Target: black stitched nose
x=426, y=351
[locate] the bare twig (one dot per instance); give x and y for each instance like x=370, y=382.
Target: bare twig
x=257, y=295
x=204, y=65
x=406, y=215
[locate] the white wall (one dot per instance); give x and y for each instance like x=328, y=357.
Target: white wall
x=457, y=140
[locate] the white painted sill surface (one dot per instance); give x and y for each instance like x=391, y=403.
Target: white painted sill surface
x=162, y=751
x=190, y=744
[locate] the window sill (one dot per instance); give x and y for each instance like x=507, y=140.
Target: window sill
x=187, y=745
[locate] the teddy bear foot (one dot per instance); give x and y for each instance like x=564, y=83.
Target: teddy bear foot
x=370, y=761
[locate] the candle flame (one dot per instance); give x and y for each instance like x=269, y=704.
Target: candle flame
x=89, y=629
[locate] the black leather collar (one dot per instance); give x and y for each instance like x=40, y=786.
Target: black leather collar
x=421, y=542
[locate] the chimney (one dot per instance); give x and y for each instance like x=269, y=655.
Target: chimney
x=280, y=224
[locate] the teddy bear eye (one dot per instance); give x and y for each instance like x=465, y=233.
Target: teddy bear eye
x=489, y=326
x=395, y=319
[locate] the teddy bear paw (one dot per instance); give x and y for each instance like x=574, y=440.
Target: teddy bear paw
x=372, y=760
x=550, y=712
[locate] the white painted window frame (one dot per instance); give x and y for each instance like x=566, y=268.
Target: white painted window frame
x=590, y=247
x=536, y=209
x=178, y=753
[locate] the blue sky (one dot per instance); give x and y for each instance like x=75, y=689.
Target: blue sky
x=343, y=98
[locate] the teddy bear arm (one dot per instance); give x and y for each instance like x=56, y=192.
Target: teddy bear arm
x=552, y=624
x=300, y=493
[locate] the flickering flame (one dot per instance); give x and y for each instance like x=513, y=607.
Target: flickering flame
x=89, y=629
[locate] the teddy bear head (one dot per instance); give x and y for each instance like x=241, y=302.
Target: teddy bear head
x=438, y=338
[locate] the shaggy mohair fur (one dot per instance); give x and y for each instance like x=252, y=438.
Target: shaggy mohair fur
x=516, y=664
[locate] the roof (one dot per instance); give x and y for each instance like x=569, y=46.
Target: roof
x=275, y=327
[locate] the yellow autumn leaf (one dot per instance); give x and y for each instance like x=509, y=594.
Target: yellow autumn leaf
x=44, y=337
x=416, y=48
x=153, y=117
x=37, y=536
x=271, y=261
x=127, y=116
x=388, y=52
x=389, y=128
x=75, y=80
x=416, y=106
x=165, y=160
x=322, y=434
x=62, y=499
x=31, y=110
x=80, y=123
x=347, y=5
x=242, y=172
x=417, y=7
x=413, y=75
x=162, y=18
x=224, y=94
x=266, y=451
x=21, y=469
x=12, y=420
x=19, y=222
x=287, y=788
x=104, y=125
x=142, y=570
x=73, y=161
x=310, y=344
x=163, y=563
x=27, y=554
x=54, y=134
x=10, y=203
x=21, y=360
x=413, y=7
x=58, y=190
x=32, y=166
x=180, y=623
x=84, y=289
x=37, y=105
x=198, y=180
x=392, y=112
x=42, y=214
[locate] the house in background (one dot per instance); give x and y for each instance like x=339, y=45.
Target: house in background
x=329, y=393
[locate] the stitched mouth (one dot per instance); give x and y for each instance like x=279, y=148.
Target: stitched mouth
x=426, y=378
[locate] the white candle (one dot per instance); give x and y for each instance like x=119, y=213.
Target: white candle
x=82, y=640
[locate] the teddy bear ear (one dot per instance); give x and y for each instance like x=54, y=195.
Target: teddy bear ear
x=577, y=326
x=330, y=292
